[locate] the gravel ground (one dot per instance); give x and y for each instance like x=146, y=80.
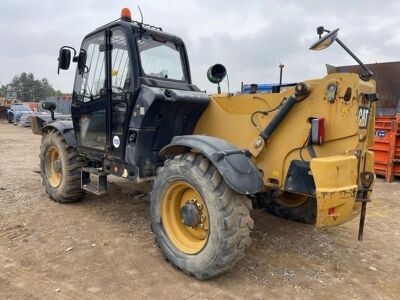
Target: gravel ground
x=102, y=247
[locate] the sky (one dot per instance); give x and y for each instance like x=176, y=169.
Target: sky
x=251, y=38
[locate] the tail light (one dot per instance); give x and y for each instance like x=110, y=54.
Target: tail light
x=317, y=131
x=331, y=211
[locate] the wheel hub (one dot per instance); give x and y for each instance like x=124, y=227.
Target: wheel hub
x=190, y=214
x=57, y=166
x=53, y=167
x=185, y=217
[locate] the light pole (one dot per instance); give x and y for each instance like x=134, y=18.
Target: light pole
x=281, y=66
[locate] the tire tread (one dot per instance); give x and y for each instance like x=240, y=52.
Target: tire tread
x=71, y=191
x=235, y=208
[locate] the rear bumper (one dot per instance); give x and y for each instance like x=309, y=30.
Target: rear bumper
x=335, y=180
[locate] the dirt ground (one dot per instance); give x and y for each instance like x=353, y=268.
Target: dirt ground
x=102, y=247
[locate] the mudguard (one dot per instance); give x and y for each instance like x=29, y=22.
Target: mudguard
x=234, y=164
x=66, y=128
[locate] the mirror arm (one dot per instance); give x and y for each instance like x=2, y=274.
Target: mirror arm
x=368, y=71
x=366, y=76
x=52, y=115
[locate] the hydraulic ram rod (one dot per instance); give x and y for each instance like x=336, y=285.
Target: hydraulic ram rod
x=278, y=118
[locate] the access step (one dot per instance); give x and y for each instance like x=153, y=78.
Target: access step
x=94, y=180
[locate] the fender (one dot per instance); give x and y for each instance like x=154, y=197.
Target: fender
x=66, y=128
x=234, y=164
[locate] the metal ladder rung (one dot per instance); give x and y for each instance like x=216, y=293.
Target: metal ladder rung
x=94, y=180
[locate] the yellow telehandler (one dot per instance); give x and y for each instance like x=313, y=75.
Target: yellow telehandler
x=302, y=154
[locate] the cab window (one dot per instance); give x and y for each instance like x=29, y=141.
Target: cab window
x=120, y=62
x=90, y=83
x=121, y=80
x=160, y=58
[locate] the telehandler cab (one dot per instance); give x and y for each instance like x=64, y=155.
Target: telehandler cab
x=302, y=154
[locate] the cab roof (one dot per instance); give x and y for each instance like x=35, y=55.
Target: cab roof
x=138, y=27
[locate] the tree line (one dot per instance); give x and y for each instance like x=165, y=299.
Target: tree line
x=28, y=89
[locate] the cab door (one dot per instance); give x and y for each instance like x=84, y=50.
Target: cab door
x=90, y=99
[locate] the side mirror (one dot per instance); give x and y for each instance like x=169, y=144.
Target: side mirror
x=82, y=61
x=64, y=59
x=51, y=106
x=326, y=40
x=47, y=105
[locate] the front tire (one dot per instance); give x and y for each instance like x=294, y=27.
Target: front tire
x=214, y=245
x=60, y=168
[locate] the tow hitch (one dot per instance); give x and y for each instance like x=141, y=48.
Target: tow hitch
x=367, y=178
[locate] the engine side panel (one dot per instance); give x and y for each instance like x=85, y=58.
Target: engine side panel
x=159, y=115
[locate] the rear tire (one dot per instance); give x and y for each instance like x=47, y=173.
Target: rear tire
x=228, y=217
x=287, y=207
x=64, y=184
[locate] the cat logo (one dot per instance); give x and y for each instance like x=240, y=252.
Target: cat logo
x=363, y=114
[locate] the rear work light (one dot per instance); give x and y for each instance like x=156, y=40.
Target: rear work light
x=317, y=131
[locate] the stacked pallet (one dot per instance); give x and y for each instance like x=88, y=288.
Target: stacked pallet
x=396, y=159
x=387, y=146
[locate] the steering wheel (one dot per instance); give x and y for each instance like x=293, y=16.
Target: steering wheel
x=118, y=88
x=120, y=96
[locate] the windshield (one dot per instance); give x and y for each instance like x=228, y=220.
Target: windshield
x=160, y=58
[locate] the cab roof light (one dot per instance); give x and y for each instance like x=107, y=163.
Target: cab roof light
x=126, y=14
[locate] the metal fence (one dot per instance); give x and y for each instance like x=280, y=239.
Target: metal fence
x=63, y=104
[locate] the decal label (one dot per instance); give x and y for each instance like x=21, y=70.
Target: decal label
x=363, y=115
x=116, y=141
x=381, y=133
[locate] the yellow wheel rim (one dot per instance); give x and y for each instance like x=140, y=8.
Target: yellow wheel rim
x=290, y=200
x=188, y=239
x=53, y=167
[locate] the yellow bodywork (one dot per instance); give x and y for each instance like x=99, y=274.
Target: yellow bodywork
x=342, y=156
x=335, y=179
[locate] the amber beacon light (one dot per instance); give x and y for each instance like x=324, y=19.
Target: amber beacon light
x=126, y=14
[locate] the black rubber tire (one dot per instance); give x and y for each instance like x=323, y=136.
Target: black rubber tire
x=69, y=189
x=304, y=213
x=229, y=217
